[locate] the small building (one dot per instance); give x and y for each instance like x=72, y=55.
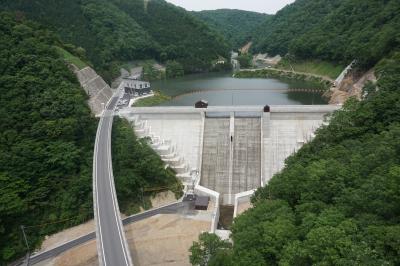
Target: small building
x=201, y=203
x=136, y=87
x=201, y=104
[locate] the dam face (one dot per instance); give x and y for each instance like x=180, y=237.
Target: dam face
x=246, y=168
x=231, y=157
x=227, y=150
x=216, y=155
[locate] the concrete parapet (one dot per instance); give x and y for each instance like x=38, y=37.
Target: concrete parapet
x=227, y=109
x=241, y=198
x=215, y=197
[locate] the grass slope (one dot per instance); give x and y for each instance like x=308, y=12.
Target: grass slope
x=316, y=67
x=71, y=59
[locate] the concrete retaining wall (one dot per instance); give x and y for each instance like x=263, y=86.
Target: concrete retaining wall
x=96, y=88
x=214, y=197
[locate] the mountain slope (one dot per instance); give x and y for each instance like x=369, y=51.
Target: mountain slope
x=237, y=26
x=337, y=30
x=180, y=36
x=46, y=138
x=124, y=30
x=46, y=143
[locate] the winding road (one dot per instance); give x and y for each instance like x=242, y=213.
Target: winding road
x=112, y=247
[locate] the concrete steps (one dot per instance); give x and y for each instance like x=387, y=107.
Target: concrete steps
x=164, y=148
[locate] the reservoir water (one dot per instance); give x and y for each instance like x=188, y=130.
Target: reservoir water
x=222, y=89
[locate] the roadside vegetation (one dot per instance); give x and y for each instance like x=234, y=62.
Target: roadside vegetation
x=71, y=59
x=138, y=169
x=155, y=100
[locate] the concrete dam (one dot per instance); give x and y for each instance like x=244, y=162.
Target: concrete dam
x=231, y=157
x=227, y=152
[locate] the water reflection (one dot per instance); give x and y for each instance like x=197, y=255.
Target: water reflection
x=222, y=89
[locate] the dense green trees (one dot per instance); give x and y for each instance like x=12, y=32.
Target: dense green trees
x=46, y=138
x=237, y=26
x=183, y=38
x=210, y=250
x=245, y=60
x=336, y=202
x=338, y=30
x=46, y=143
x=137, y=167
x=118, y=31
x=174, y=69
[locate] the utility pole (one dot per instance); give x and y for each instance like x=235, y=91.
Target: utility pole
x=142, y=190
x=26, y=243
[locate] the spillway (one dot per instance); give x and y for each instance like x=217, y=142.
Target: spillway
x=216, y=154
x=231, y=159
x=246, y=169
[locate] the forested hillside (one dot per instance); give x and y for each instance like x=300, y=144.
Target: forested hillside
x=46, y=143
x=46, y=138
x=237, y=26
x=337, y=30
x=116, y=31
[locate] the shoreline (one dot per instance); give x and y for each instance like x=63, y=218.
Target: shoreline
x=325, y=83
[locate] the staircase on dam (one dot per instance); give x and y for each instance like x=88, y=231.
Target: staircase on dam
x=231, y=158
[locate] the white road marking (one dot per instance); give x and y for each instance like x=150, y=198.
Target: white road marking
x=97, y=192
x=112, y=194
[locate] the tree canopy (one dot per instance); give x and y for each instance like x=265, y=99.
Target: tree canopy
x=236, y=26
x=337, y=30
x=116, y=31
x=46, y=138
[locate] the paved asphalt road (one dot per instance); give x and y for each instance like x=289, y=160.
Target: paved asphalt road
x=172, y=208
x=111, y=242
